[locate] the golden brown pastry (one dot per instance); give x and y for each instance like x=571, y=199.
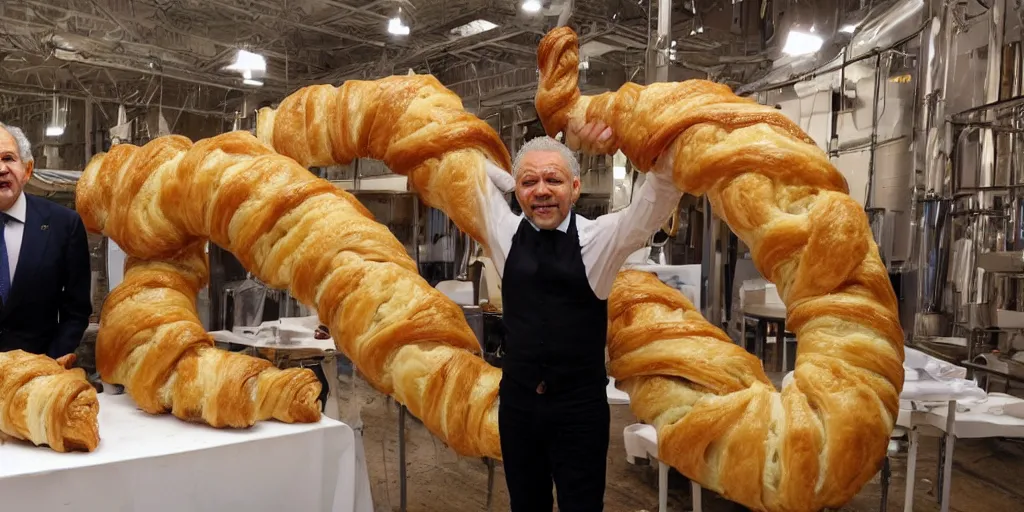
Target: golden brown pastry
x=152, y=342
x=292, y=230
x=412, y=123
x=43, y=402
x=719, y=421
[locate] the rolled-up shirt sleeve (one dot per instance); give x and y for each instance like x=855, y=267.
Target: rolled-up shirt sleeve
x=615, y=236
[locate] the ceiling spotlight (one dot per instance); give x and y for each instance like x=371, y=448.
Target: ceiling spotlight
x=849, y=29
x=532, y=5
x=395, y=25
x=54, y=131
x=801, y=43
x=246, y=60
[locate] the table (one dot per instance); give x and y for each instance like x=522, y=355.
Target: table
x=159, y=463
x=765, y=314
x=641, y=442
x=944, y=419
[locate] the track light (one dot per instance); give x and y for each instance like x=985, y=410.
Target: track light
x=532, y=6
x=395, y=25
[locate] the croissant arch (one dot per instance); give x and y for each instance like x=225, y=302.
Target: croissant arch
x=292, y=230
x=816, y=443
x=719, y=419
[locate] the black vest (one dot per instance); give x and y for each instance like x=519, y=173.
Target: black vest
x=556, y=328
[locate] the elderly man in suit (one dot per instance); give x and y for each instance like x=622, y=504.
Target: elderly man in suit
x=44, y=261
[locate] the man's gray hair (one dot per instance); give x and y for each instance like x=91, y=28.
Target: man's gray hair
x=547, y=144
x=24, y=146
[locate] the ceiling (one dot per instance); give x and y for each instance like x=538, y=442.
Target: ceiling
x=172, y=53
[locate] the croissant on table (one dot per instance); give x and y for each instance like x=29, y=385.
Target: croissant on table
x=152, y=342
x=291, y=230
x=43, y=402
x=719, y=421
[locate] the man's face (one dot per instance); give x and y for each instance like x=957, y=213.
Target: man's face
x=546, y=188
x=14, y=173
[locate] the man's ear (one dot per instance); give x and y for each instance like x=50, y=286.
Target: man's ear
x=29, y=167
x=576, y=188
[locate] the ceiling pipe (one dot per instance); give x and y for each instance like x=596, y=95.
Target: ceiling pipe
x=567, y=9
x=4, y=89
x=993, y=80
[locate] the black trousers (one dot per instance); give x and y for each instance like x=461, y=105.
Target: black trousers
x=559, y=436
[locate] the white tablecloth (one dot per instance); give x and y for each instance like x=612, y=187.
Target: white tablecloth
x=159, y=463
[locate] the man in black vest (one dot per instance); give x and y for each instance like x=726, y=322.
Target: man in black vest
x=557, y=270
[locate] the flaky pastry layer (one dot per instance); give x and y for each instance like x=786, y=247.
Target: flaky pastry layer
x=43, y=403
x=291, y=230
x=719, y=421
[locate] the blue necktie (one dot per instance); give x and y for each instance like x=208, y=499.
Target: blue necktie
x=5, y=265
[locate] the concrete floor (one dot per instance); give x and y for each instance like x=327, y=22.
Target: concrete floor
x=988, y=475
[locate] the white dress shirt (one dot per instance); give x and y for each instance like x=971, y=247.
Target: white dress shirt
x=14, y=231
x=607, y=241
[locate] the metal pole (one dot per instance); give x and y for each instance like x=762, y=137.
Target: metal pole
x=869, y=200
x=490, y=483
x=664, y=38
x=711, y=266
x=886, y=473
x=908, y=498
x=88, y=130
x=947, y=453
x=993, y=81
x=401, y=459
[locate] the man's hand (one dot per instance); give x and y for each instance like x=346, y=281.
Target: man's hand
x=594, y=138
x=501, y=179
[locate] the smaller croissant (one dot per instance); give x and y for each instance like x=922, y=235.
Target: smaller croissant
x=46, y=404
x=151, y=342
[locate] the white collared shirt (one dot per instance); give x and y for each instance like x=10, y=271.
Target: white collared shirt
x=14, y=231
x=607, y=241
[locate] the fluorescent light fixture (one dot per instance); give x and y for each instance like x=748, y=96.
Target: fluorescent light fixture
x=801, y=43
x=532, y=5
x=246, y=60
x=396, y=27
x=54, y=131
x=473, y=28
x=619, y=172
x=248, y=79
x=849, y=29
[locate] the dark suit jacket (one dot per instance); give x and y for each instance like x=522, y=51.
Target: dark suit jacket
x=49, y=305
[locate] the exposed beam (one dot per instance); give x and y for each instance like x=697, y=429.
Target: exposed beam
x=22, y=90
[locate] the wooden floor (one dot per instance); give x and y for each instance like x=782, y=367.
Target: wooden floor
x=988, y=475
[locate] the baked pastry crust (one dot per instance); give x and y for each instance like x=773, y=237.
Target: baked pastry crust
x=719, y=421
x=152, y=342
x=291, y=230
x=43, y=402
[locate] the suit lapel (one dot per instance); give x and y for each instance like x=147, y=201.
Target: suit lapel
x=33, y=247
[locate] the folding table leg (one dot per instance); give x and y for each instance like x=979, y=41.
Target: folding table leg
x=885, y=485
x=662, y=487
x=403, y=494
x=908, y=501
x=490, y=484
x=947, y=453
x=695, y=492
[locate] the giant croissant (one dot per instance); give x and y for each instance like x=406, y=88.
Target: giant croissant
x=818, y=441
x=720, y=421
x=46, y=404
x=151, y=341
x=292, y=230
